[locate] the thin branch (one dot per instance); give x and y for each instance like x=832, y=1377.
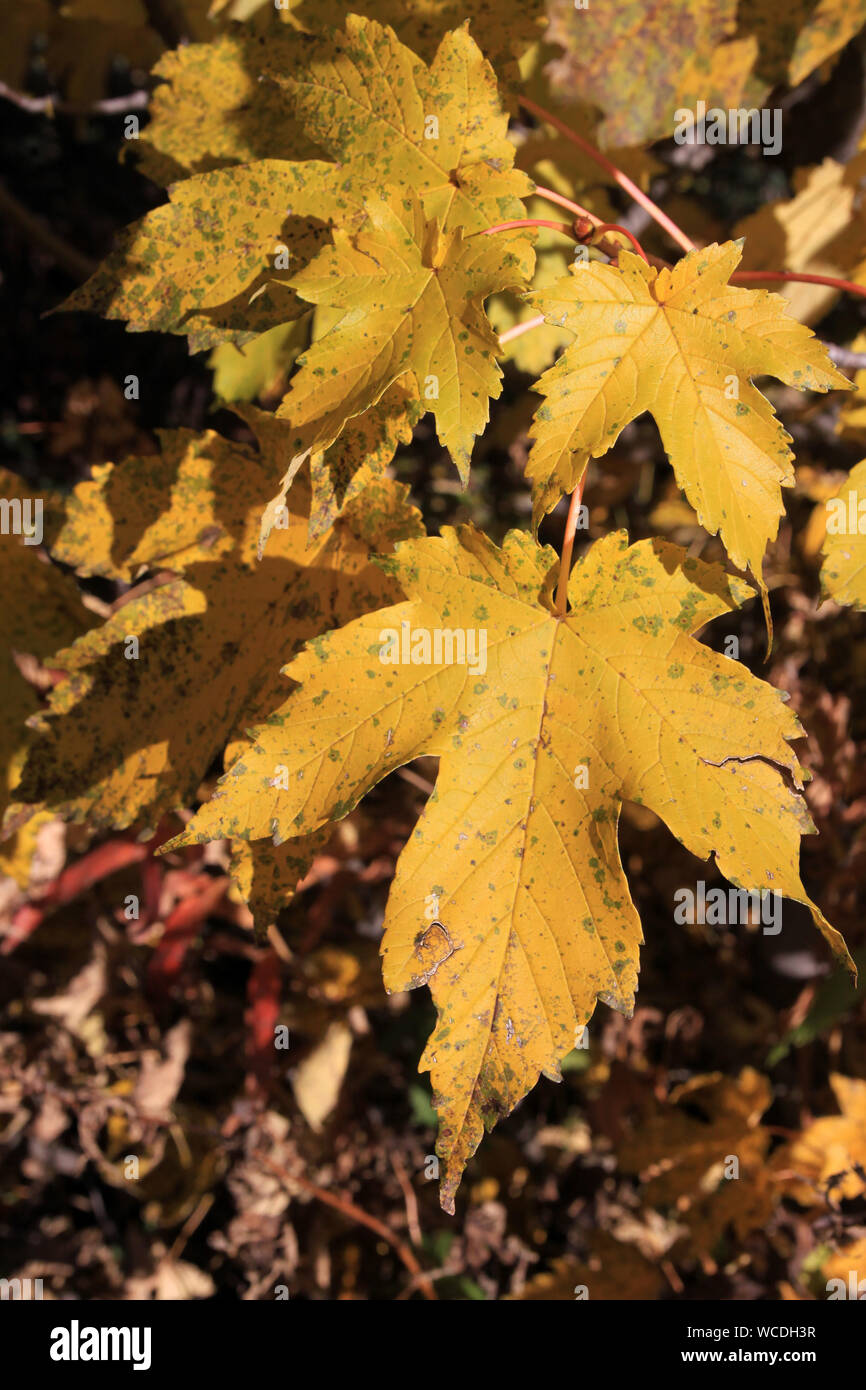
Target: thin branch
x=354, y=1213
x=845, y=358
x=49, y=106
x=565, y=227
x=519, y=328
x=625, y=183
x=568, y=547
x=79, y=266
x=563, y=202
x=412, y=1222
x=623, y=231
x=795, y=276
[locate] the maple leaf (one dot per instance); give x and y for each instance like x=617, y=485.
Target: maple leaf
x=267, y=875
x=843, y=573
x=356, y=459
x=41, y=612
x=680, y=1150
x=796, y=40
x=374, y=106
x=510, y=898
x=684, y=345
x=409, y=298
x=632, y=66
x=211, y=107
x=260, y=368
x=502, y=31
x=829, y=1157
x=204, y=264
x=209, y=110
x=128, y=737
x=646, y=61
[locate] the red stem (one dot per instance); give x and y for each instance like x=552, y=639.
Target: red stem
x=568, y=547
x=794, y=275
x=564, y=227
x=553, y=197
x=616, y=174
x=519, y=328
x=624, y=231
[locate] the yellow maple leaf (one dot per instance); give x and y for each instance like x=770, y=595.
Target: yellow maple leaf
x=827, y=1160
x=215, y=262
x=440, y=130
x=134, y=727
x=799, y=38
x=210, y=110
x=501, y=30
x=41, y=612
x=647, y=60
x=510, y=899
x=684, y=345
x=843, y=572
x=633, y=64
x=267, y=875
x=410, y=298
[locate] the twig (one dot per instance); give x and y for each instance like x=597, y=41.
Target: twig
x=48, y=106
x=519, y=328
x=407, y=773
x=79, y=266
x=411, y=1201
x=354, y=1213
x=625, y=183
x=843, y=357
x=568, y=547
x=796, y=277
x=563, y=202
x=565, y=227
x=623, y=231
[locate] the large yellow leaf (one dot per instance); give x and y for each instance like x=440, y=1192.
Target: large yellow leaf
x=684, y=345
x=129, y=736
x=503, y=30
x=843, y=573
x=209, y=262
x=799, y=37
x=210, y=110
x=510, y=900
x=372, y=104
x=410, y=298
